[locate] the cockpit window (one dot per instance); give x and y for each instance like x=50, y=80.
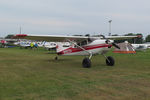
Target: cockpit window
x=82, y=43
x=65, y=45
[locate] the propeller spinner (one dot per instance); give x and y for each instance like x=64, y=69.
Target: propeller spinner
x=111, y=42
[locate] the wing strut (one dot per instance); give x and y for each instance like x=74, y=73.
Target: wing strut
x=90, y=53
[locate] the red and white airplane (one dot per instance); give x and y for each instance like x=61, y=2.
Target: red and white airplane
x=80, y=45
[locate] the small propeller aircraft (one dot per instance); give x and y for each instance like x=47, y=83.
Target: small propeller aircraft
x=80, y=45
x=140, y=47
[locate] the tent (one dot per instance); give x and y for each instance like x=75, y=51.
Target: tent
x=125, y=48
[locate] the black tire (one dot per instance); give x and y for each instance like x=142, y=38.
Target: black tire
x=110, y=61
x=56, y=58
x=86, y=63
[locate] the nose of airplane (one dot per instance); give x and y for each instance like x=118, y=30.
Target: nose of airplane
x=111, y=41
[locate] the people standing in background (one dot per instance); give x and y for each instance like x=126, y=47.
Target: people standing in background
x=31, y=45
x=3, y=42
x=36, y=45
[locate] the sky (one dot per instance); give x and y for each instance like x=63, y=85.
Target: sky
x=69, y=17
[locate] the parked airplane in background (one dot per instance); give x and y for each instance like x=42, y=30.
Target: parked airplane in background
x=148, y=44
x=53, y=45
x=140, y=46
x=24, y=44
x=80, y=45
x=50, y=45
x=5, y=43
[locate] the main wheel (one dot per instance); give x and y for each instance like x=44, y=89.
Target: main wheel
x=86, y=63
x=110, y=61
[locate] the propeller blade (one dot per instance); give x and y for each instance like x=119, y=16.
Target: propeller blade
x=115, y=45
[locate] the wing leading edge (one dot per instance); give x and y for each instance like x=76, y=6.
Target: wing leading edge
x=50, y=38
x=121, y=37
x=61, y=38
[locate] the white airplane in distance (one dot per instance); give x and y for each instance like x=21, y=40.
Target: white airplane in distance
x=52, y=45
x=140, y=46
x=80, y=45
x=24, y=44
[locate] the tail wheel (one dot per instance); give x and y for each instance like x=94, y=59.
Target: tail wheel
x=110, y=61
x=56, y=58
x=86, y=63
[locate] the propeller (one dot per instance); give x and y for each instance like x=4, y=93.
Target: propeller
x=114, y=44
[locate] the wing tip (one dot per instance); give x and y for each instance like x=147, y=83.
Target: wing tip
x=20, y=35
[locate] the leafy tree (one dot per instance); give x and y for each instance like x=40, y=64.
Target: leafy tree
x=147, y=39
x=140, y=39
x=9, y=36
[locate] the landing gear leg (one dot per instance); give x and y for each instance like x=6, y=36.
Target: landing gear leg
x=110, y=61
x=86, y=63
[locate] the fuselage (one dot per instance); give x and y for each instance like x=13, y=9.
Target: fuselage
x=95, y=47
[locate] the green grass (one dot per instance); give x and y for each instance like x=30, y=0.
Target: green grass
x=34, y=75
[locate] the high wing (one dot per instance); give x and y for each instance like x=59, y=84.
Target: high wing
x=121, y=37
x=62, y=38
x=51, y=38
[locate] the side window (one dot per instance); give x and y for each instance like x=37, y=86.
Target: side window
x=66, y=46
x=83, y=42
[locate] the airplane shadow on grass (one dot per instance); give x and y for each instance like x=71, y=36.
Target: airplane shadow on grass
x=59, y=60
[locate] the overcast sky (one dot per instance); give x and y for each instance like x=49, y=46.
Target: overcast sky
x=74, y=16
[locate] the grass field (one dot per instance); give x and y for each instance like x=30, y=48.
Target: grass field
x=34, y=75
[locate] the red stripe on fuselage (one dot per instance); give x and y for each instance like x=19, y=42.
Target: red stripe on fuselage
x=73, y=50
